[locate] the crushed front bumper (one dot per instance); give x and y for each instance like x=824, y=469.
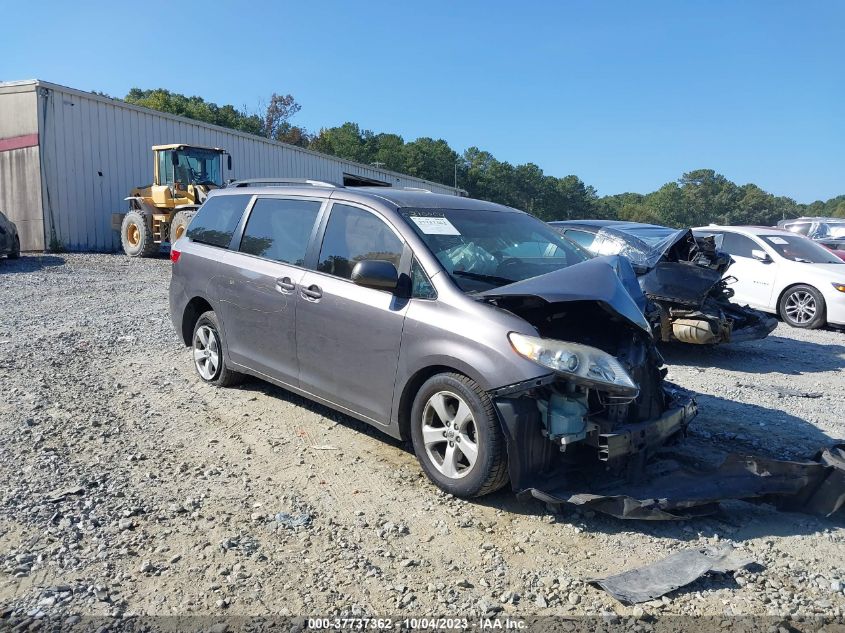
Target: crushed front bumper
x=636, y=438
x=681, y=484
x=532, y=456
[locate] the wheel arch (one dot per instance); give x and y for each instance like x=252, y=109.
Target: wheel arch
x=410, y=390
x=190, y=315
x=789, y=287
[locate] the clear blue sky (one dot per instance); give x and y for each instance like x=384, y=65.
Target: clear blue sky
x=626, y=95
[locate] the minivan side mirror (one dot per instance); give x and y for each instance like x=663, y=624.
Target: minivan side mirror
x=376, y=273
x=761, y=256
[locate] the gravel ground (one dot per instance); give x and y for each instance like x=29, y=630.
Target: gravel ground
x=132, y=488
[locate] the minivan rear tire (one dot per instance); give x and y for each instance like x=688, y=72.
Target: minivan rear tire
x=470, y=421
x=207, y=350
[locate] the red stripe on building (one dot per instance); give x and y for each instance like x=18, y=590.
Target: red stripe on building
x=18, y=142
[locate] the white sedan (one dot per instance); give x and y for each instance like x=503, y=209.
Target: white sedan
x=783, y=273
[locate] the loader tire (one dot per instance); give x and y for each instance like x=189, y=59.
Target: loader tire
x=136, y=236
x=179, y=224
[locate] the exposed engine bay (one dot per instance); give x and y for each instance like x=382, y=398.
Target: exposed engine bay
x=576, y=436
x=682, y=276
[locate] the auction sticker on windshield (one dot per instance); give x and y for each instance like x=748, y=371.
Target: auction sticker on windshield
x=435, y=226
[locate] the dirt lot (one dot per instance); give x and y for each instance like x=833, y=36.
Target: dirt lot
x=129, y=487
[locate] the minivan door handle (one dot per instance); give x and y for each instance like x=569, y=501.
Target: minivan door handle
x=285, y=285
x=312, y=293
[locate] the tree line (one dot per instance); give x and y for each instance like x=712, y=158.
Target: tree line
x=697, y=197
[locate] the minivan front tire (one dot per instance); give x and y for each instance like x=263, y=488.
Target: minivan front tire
x=207, y=352
x=457, y=438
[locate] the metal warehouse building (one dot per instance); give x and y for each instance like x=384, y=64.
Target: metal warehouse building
x=68, y=159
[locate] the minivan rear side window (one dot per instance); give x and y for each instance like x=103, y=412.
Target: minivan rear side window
x=354, y=235
x=217, y=219
x=279, y=229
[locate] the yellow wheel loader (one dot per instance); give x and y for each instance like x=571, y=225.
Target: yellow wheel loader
x=160, y=212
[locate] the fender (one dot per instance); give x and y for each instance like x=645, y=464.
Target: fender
x=137, y=203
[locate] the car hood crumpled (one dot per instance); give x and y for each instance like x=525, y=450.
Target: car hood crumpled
x=609, y=281
x=612, y=241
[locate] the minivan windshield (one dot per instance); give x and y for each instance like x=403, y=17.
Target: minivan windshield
x=800, y=249
x=483, y=249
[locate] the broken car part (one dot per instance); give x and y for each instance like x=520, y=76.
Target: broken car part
x=673, y=572
x=672, y=487
x=682, y=276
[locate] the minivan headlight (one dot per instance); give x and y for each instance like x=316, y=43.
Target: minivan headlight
x=581, y=364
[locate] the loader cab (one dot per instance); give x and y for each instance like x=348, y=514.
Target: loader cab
x=178, y=166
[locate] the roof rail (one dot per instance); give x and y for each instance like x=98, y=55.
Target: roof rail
x=282, y=182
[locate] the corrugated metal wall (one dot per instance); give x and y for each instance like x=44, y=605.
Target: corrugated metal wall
x=22, y=202
x=95, y=150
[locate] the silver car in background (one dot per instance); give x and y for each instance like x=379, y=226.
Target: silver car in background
x=470, y=329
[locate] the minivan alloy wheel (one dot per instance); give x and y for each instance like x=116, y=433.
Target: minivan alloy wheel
x=206, y=352
x=801, y=307
x=449, y=434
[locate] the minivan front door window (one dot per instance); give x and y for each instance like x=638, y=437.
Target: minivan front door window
x=354, y=235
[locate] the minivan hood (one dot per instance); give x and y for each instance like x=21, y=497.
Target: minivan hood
x=609, y=281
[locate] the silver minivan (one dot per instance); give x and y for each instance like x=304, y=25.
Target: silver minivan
x=470, y=329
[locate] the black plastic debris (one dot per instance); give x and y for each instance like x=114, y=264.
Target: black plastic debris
x=677, y=489
x=674, y=571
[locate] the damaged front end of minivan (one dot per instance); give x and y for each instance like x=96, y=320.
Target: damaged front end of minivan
x=587, y=432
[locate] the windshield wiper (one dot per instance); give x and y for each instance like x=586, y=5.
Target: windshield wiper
x=481, y=277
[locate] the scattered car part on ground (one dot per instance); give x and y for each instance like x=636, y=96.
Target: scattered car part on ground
x=783, y=273
x=673, y=572
x=680, y=274
x=678, y=486
x=10, y=241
